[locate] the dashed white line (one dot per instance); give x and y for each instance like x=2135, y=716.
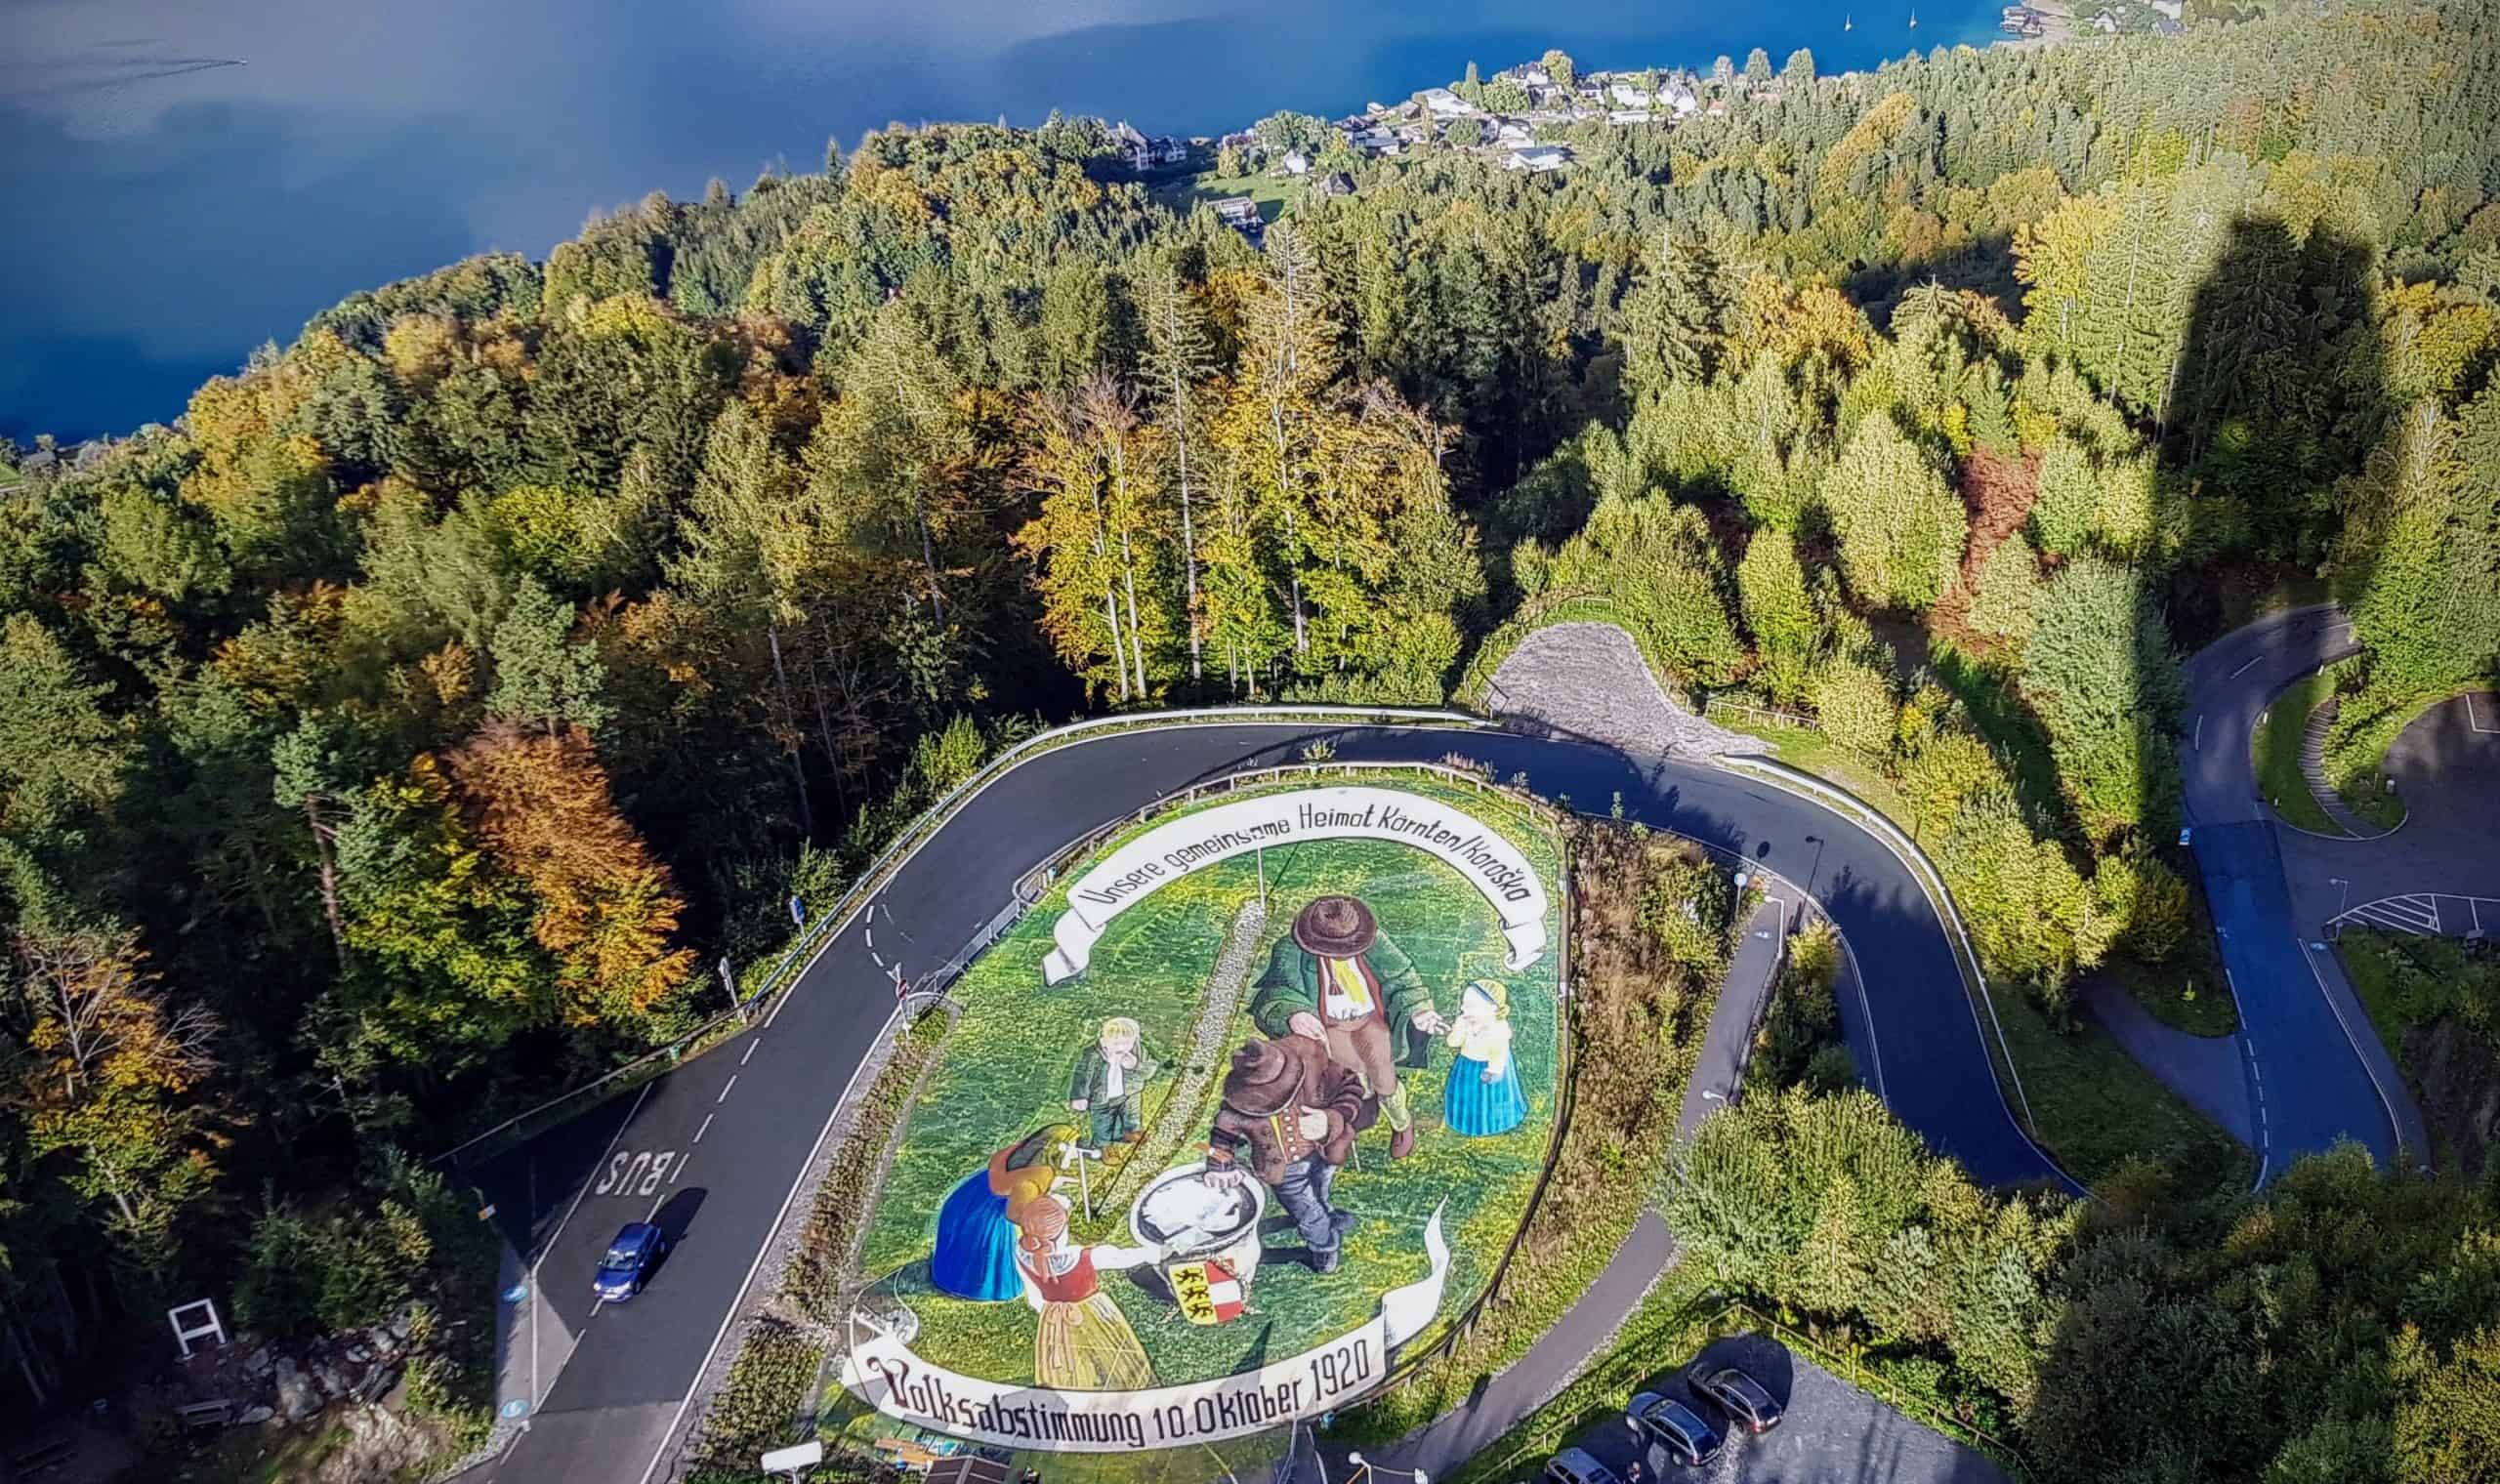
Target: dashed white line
x=750, y=1050
x=2200, y=743
x=725, y=1089
x=2244, y=668
x=706, y=1129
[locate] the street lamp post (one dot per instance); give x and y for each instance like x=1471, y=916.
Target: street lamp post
x=2343, y=894
x=1816, y=841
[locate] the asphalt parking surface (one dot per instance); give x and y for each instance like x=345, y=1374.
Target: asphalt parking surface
x=1833, y=1433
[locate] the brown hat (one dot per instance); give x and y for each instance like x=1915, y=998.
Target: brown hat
x=1267, y=1076
x=1335, y=927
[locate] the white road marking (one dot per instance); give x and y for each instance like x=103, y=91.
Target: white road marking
x=725, y=1089
x=537, y=1294
x=706, y=1129
x=2244, y=668
x=761, y=1248
x=2469, y=718
x=2200, y=743
x=2394, y=1131
x=750, y=1050
x=870, y=934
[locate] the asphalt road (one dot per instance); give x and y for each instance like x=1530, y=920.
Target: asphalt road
x=713, y=1150
x=2314, y=1070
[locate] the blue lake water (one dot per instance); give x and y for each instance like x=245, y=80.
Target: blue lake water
x=186, y=179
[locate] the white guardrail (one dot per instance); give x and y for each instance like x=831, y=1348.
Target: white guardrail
x=795, y=960
x=1931, y=881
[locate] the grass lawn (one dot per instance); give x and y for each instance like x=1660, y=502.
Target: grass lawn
x=2276, y=753
x=2096, y=1107
x=1271, y=192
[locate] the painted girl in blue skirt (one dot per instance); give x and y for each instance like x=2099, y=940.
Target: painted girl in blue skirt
x=975, y=1256
x=1485, y=1098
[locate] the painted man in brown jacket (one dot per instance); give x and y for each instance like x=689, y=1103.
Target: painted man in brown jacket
x=1289, y=1117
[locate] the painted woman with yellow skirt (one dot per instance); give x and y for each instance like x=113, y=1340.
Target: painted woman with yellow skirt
x=1084, y=1343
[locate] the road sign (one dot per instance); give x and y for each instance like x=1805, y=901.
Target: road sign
x=798, y=912
x=518, y=1407
x=2184, y=832
x=517, y=1293
x=791, y=1460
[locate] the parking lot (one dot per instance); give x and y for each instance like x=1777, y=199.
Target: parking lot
x=1833, y=1434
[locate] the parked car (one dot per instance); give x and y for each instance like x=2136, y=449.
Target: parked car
x=637, y=1249
x=1673, y=1426
x=1577, y=1465
x=1745, y=1400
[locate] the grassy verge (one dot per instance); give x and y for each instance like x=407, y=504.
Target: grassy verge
x=2096, y=1108
x=1638, y=1019
x=2276, y=753
x=2375, y=804
x=2406, y=982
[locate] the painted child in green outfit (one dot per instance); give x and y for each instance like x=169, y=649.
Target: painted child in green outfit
x=1109, y=1082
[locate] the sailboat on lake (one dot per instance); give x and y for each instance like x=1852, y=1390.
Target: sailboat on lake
x=1845, y=24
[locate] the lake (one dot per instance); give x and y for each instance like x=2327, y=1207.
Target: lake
x=187, y=178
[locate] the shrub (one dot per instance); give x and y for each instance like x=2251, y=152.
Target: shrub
x=1854, y=704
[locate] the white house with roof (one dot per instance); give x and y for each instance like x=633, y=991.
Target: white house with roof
x=1537, y=159
x=1445, y=104
x=1627, y=95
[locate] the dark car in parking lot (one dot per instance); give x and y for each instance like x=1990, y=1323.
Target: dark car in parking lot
x=1673, y=1426
x=1746, y=1401
x=630, y=1257
x=1578, y=1465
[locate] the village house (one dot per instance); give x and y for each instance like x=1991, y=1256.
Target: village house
x=1629, y=96
x=1336, y=183
x=1445, y=104
x=1295, y=163
x=1144, y=153
x=1242, y=214
x=1512, y=131
x=2106, y=24
x=1631, y=116
x=1538, y=158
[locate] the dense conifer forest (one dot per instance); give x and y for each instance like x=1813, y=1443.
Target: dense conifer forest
x=387, y=743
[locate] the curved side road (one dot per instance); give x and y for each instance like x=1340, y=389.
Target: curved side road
x=2315, y=1072
x=714, y=1151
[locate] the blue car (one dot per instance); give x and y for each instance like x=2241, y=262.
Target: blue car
x=637, y=1249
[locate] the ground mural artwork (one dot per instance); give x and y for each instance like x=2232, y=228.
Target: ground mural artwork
x=1253, y=1102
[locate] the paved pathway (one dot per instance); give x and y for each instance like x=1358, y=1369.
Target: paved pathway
x=2321, y=788
x=2209, y=1072
x=1726, y=1048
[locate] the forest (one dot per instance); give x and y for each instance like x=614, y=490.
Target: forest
x=387, y=742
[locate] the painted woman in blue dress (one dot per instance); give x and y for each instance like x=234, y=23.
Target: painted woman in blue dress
x=1485, y=1098
x=975, y=1254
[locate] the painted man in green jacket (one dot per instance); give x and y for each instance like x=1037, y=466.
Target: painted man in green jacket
x=1337, y=979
